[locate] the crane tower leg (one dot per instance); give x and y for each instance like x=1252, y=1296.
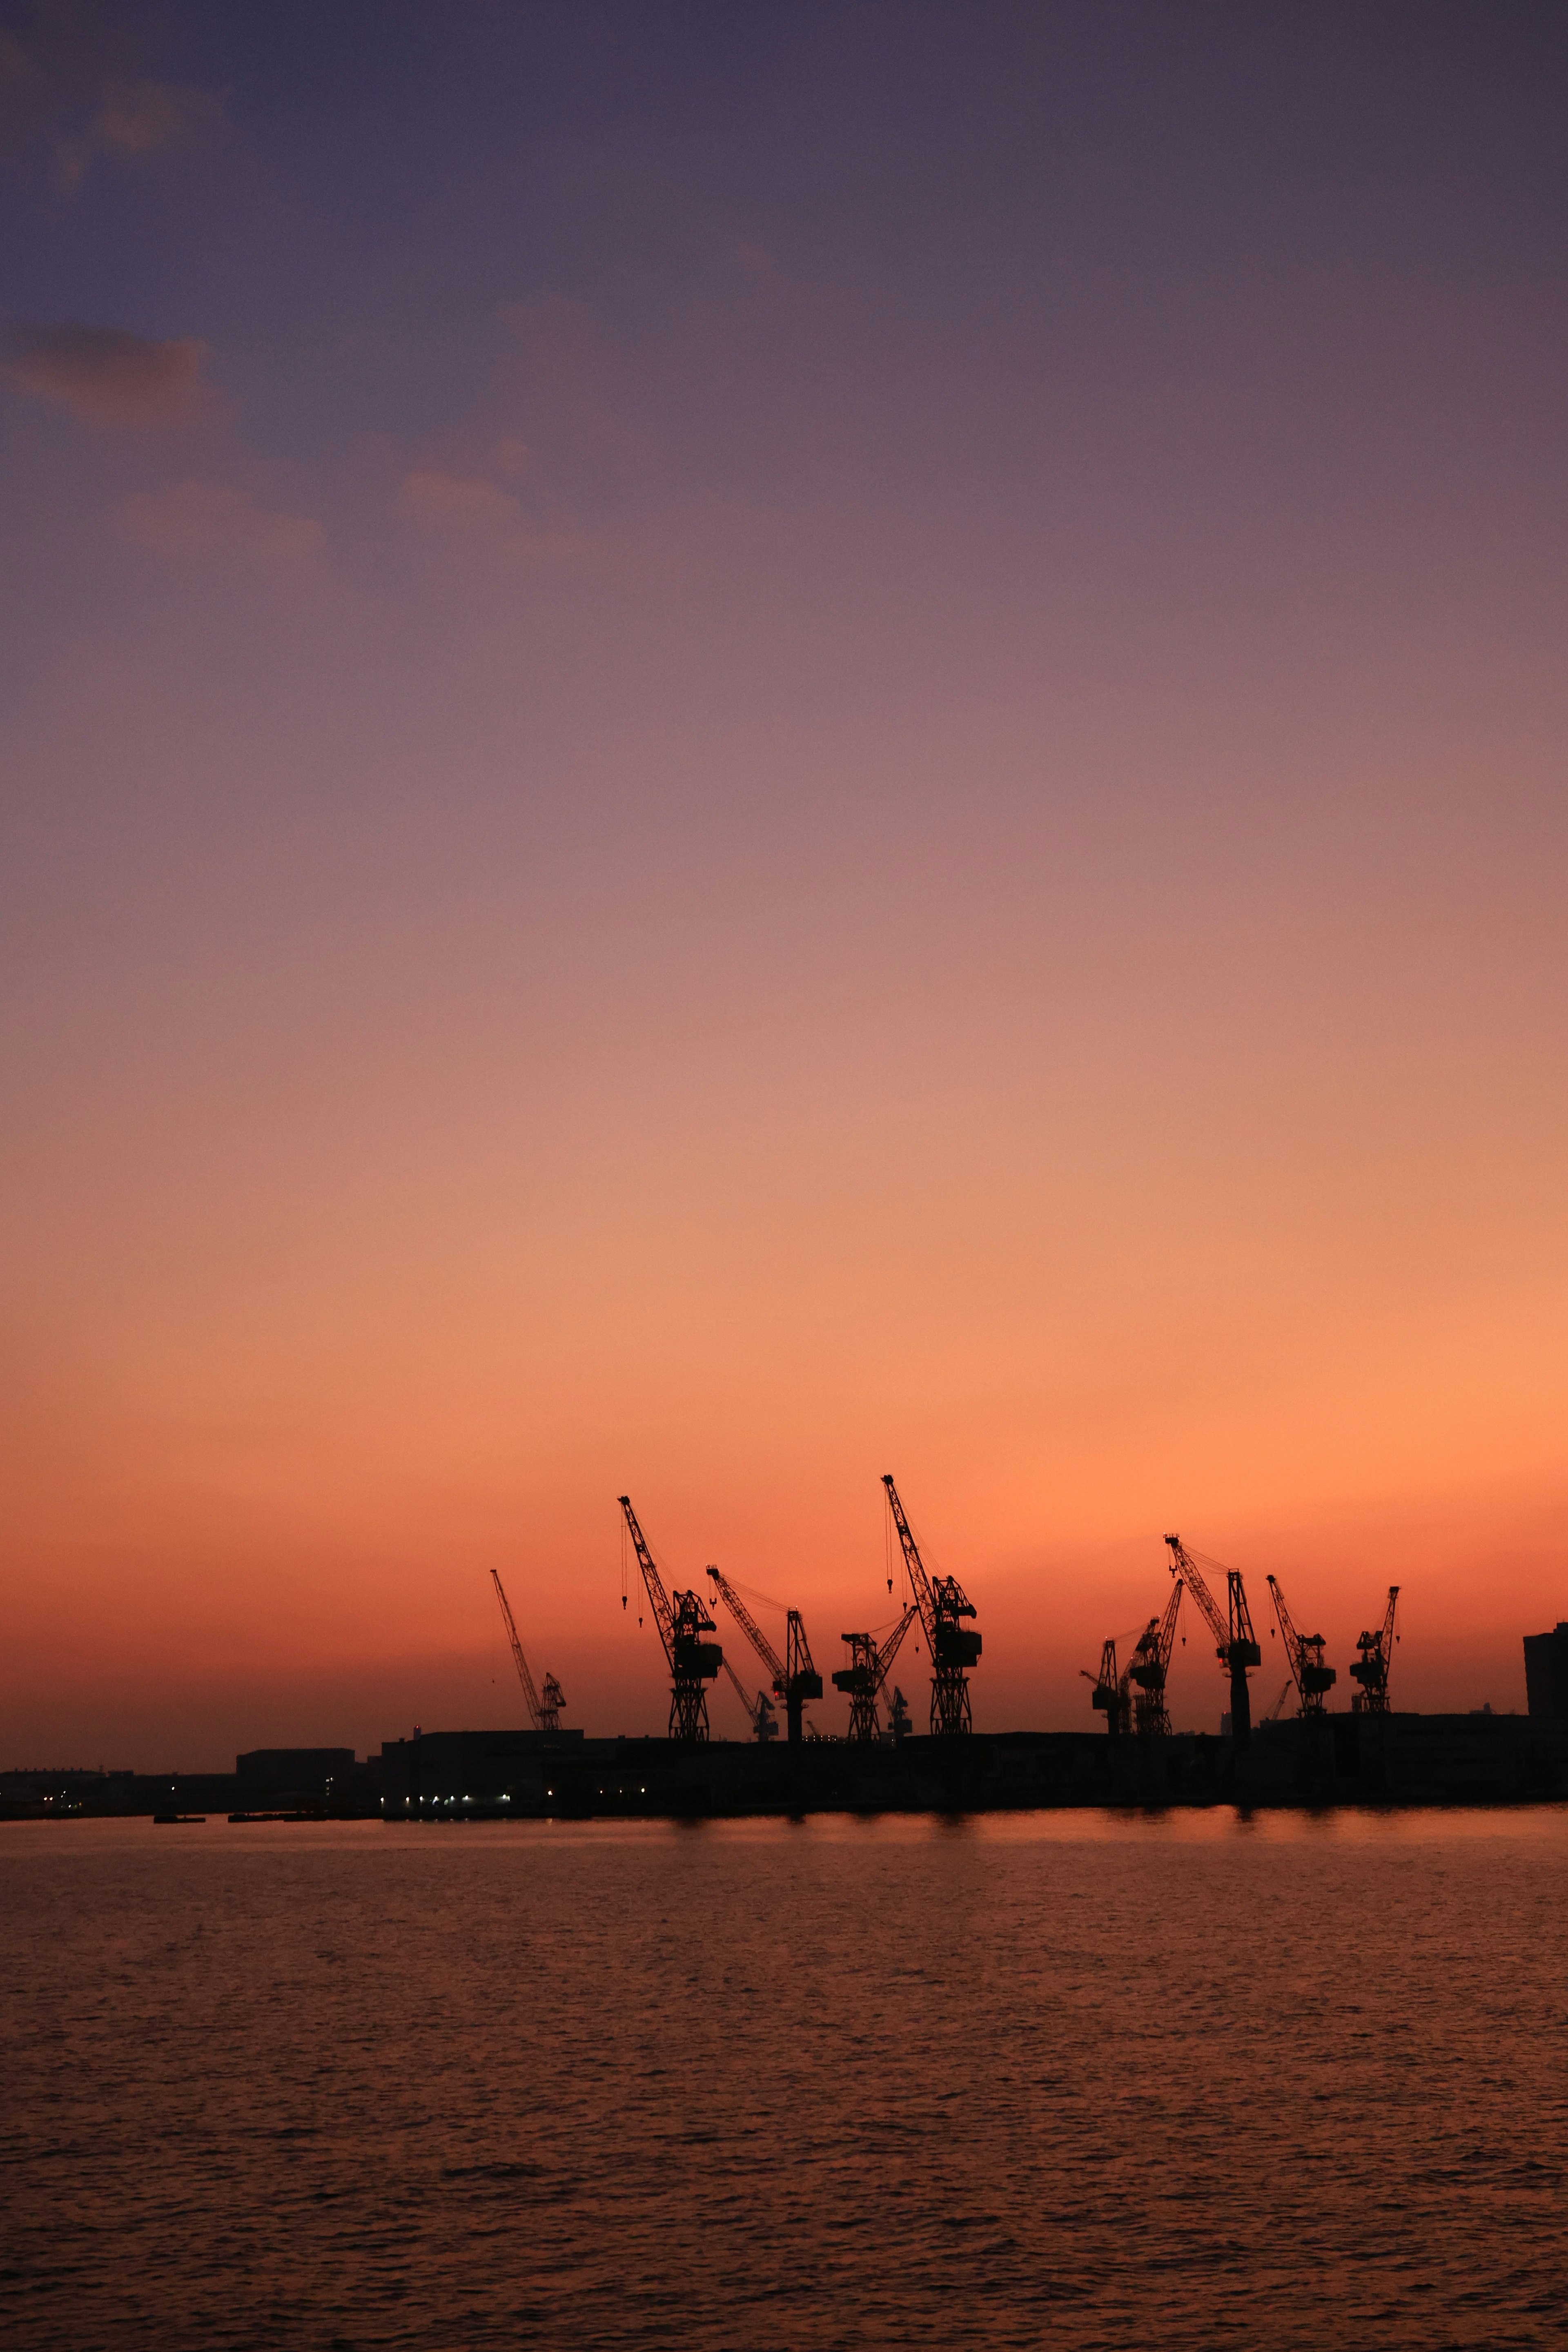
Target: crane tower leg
x=1240, y=1707
x=687, y=1711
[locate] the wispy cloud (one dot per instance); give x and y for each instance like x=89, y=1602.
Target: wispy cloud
x=196, y=522
x=134, y=121
x=75, y=93
x=460, y=506
x=104, y=375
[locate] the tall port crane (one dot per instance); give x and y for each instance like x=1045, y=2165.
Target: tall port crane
x=692, y=1661
x=544, y=1708
x=942, y=1603
x=1112, y=1694
x=1236, y=1643
x=1371, y=1667
x=760, y=1710
x=1304, y=1656
x=1149, y=1666
x=795, y=1679
x=863, y=1677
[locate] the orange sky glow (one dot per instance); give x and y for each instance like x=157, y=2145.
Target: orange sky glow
x=689, y=847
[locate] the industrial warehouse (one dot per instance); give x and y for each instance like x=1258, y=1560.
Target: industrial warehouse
x=1299, y=1752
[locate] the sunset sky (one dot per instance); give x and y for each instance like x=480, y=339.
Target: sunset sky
x=745, y=745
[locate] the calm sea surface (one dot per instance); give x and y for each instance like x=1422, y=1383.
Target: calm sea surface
x=1054, y=2079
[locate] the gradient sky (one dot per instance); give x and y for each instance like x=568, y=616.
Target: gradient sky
x=745, y=745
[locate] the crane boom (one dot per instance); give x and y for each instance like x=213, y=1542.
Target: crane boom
x=1151, y=1663
x=1304, y=1656
x=920, y=1582
x=888, y=1650
x=681, y=1626
x=530, y=1695
x=1236, y=1643
x=1371, y=1667
x=751, y=1630
x=1184, y=1565
x=863, y=1677
x=942, y=1603
x=795, y=1678
x=657, y=1598
x=758, y=1710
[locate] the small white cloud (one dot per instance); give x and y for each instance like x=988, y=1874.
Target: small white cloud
x=196, y=522
x=105, y=376
x=460, y=505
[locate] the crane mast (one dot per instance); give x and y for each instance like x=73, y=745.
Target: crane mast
x=1369, y=1668
x=795, y=1678
x=1304, y=1656
x=1149, y=1666
x=544, y=1712
x=863, y=1677
x=1236, y=1643
x=681, y=1626
x=942, y=1603
x=1111, y=1695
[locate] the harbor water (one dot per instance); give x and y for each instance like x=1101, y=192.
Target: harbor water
x=1073, y=2079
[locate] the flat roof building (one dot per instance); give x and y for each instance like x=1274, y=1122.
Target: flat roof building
x=1546, y=1673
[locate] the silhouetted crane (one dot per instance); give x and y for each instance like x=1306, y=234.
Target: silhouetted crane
x=943, y=1602
x=758, y=1710
x=864, y=1676
x=1236, y=1643
x=1271, y=1714
x=1112, y=1694
x=1371, y=1668
x=1149, y=1666
x=795, y=1679
x=543, y=1710
x=1304, y=1656
x=692, y=1661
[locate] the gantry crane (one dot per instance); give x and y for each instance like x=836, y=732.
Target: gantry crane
x=1150, y=1665
x=1236, y=1643
x=864, y=1676
x=1112, y=1694
x=692, y=1661
x=760, y=1710
x=1371, y=1668
x=795, y=1679
x=1304, y=1656
x=942, y=1603
x=543, y=1710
